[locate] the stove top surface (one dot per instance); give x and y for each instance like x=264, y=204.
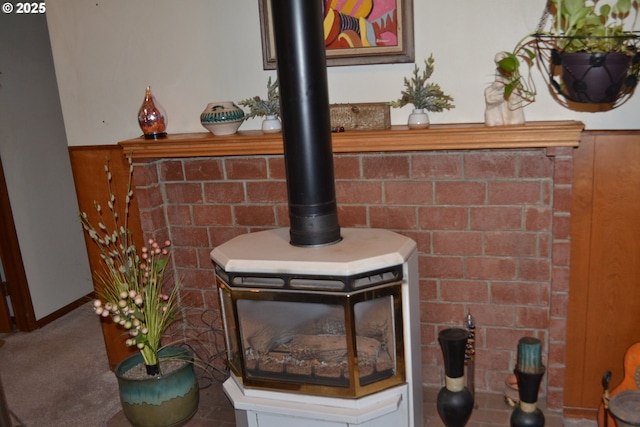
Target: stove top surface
x=360, y=250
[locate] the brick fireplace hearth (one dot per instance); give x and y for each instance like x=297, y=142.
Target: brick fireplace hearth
x=488, y=207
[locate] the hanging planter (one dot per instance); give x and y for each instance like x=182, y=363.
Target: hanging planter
x=591, y=77
x=587, y=55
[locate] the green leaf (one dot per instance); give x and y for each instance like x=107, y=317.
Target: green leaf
x=530, y=53
x=605, y=10
x=161, y=264
x=509, y=63
x=574, y=7
x=508, y=89
x=622, y=8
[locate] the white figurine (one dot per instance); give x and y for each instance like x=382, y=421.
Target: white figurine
x=499, y=111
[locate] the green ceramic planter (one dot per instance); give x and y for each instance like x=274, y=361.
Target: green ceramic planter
x=165, y=401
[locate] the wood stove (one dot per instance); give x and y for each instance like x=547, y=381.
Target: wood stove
x=321, y=324
x=337, y=321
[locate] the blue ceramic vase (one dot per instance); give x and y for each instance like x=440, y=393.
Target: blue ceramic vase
x=159, y=401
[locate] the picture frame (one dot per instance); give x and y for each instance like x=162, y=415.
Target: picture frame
x=388, y=36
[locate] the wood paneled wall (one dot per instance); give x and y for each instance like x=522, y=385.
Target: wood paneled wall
x=604, y=303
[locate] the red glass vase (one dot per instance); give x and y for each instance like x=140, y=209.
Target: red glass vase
x=152, y=117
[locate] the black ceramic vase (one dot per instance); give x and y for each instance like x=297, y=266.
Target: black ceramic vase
x=455, y=401
x=527, y=413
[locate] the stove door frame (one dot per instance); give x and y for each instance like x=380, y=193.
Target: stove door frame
x=230, y=295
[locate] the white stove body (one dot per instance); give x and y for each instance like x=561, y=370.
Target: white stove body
x=359, y=251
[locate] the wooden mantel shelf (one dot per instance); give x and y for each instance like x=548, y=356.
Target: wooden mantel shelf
x=472, y=136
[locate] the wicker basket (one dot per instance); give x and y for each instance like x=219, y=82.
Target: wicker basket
x=367, y=116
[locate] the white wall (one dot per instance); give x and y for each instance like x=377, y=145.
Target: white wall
x=198, y=51
x=35, y=158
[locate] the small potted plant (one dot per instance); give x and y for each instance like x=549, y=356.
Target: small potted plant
x=134, y=291
x=424, y=96
x=589, y=53
x=268, y=108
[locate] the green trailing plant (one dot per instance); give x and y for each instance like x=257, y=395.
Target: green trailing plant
x=589, y=28
x=133, y=286
x=259, y=107
x=576, y=26
x=421, y=94
x=509, y=70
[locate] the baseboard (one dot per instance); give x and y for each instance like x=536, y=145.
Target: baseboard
x=64, y=310
x=581, y=413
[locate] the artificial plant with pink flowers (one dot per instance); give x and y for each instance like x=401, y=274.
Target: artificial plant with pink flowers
x=133, y=285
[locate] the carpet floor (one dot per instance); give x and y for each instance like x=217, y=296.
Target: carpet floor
x=58, y=376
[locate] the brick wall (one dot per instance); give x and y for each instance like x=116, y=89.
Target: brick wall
x=492, y=228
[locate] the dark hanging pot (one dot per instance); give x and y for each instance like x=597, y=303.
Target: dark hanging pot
x=165, y=400
x=595, y=78
x=455, y=401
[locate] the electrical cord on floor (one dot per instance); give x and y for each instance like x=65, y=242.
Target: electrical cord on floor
x=208, y=350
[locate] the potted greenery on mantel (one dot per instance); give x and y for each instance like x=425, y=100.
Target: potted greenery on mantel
x=268, y=108
x=423, y=95
x=588, y=53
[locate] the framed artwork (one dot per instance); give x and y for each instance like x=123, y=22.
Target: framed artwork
x=371, y=32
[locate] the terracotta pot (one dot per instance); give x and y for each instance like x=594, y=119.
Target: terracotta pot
x=159, y=401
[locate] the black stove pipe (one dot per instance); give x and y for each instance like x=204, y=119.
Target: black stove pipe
x=306, y=122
